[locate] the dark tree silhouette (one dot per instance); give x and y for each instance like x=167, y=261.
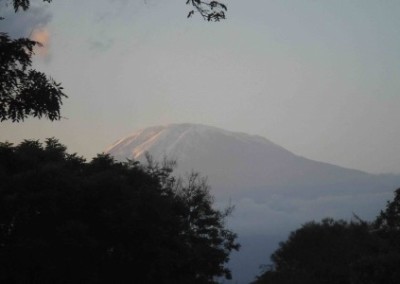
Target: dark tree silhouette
x=24, y=4
x=23, y=91
x=64, y=220
x=209, y=10
x=341, y=252
x=389, y=219
x=320, y=253
x=383, y=266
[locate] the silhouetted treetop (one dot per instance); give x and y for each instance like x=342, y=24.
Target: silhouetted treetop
x=23, y=91
x=318, y=253
x=340, y=252
x=209, y=10
x=23, y=4
x=389, y=219
x=65, y=220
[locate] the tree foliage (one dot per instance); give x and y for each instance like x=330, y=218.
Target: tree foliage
x=340, y=252
x=209, y=10
x=383, y=266
x=389, y=219
x=23, y=4
x=318, y=253
x=23, y=91
x=65, y=220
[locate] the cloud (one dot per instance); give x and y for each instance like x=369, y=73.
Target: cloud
x=41, y=35
x=101, y=45
x=29, y=24
x=24, y=23
x=281, y=214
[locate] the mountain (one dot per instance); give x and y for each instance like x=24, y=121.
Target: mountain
x=273, y=190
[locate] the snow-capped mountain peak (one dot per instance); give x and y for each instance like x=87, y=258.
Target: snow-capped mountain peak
x=273, y=190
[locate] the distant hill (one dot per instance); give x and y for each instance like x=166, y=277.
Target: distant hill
x=273, y=190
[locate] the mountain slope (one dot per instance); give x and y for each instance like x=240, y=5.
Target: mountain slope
x=273, y=190
x=238, y=164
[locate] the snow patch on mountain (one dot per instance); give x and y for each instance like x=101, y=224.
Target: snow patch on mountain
x=174, y=140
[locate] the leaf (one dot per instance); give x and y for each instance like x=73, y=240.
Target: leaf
x=190, y=13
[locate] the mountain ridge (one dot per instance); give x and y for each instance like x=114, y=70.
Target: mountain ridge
x=183, y=127
x=233, y=160
x=274, y=190
x=112, y=149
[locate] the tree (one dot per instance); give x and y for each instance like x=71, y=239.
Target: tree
x=23, y=4
x=209, y=243
x=320, y=253
x=209, y=10
x=65, y=220
x=389, y=219
x=23, y=91
x=341, y=252
x=382, y=267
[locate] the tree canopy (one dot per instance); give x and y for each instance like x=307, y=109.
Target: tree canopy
x=209, y=10
x=23, y=4
x=340, y=252
x=318, y=253
x=24, y=91
x=65, y=220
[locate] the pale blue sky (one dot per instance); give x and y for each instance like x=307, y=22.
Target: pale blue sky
x=320, y=78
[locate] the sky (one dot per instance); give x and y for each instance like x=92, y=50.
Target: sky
x=320, y=78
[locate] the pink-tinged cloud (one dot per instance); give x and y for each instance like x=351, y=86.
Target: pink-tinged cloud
x=41, y=35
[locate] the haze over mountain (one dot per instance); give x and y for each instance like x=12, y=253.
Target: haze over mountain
x=272, y=189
